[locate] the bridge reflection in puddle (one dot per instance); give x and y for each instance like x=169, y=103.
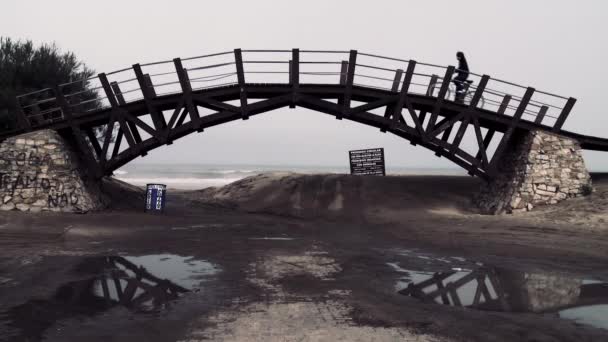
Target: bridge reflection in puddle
x=143, y=284
x=499, y=289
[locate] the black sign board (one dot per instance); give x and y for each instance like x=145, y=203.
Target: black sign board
x=367, y=162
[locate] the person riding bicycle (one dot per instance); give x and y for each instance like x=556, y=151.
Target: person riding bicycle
x=461, y=77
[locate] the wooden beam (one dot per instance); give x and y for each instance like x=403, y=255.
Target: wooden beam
x=176, y=112
x=564, y=114
x=432, y=83
x=94, y=141
x=470, y=112
x=388, y=112
x=397, y=81
x=445, y=85
x=118, y=142
x=294, y=76
x=348, y=87
x=22, y=119
x=148, y=93
x=541, y=115
x=504, y=104
x=184, y=82
x=480, y=143
x=506, y=138
x=85, y=151
x=107, y=88
x=343, y=72
x=486, y=142
x=118, y=93
x=405, y=87
x=240, y=74
x=150, y=85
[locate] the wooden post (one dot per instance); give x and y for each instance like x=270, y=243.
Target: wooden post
x=432, y=83
x=184, y=82
x=240, y=74
x=343, y=72
x=541, y=115
x=78, y=134
x=502, y=146
x=24, y=122
x=144, y=84
x=564, y=114
x=294, y=76
x=447, y=78
x=348, y=87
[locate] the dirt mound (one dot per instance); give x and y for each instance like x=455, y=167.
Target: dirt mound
x=345, y=196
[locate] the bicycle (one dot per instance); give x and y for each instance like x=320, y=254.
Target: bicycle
x=468, y=93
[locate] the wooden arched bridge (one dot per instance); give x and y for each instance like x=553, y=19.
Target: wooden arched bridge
x=148, y=105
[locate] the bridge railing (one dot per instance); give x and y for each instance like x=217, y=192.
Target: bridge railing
x=150, y=80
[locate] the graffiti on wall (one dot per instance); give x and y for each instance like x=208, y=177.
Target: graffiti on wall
x=27, y=179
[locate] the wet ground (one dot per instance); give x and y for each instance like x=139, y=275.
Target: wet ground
x=220, y=275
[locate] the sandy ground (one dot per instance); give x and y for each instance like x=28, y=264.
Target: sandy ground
x=301, y=258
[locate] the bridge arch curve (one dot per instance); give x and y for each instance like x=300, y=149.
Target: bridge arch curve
x=409, y=99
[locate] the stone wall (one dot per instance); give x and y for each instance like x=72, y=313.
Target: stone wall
x=40, y=172
x=539, y=168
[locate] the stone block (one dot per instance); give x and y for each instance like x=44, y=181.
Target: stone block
x=548, y=167
x=7, y=206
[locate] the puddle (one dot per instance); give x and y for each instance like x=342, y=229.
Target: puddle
x=142, y=284
x=499, y=289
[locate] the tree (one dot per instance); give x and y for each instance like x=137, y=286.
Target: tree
x=25, y=68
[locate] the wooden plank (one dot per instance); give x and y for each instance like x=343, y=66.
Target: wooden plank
x=240, y=74
x=504, y=142
x=294, y=76
x=445, y=85
x=561, y=119
x=184, y=82
x=541, y=115
x=348, y=87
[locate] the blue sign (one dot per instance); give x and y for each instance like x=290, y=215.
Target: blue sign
x=155, y=197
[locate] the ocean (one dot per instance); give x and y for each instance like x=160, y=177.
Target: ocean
x=199, y=176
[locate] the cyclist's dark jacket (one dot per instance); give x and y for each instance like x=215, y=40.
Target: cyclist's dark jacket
x=463, y=69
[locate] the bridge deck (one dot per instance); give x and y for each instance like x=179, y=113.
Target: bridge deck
x=414, y=100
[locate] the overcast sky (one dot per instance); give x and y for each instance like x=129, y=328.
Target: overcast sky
x=557, y=46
